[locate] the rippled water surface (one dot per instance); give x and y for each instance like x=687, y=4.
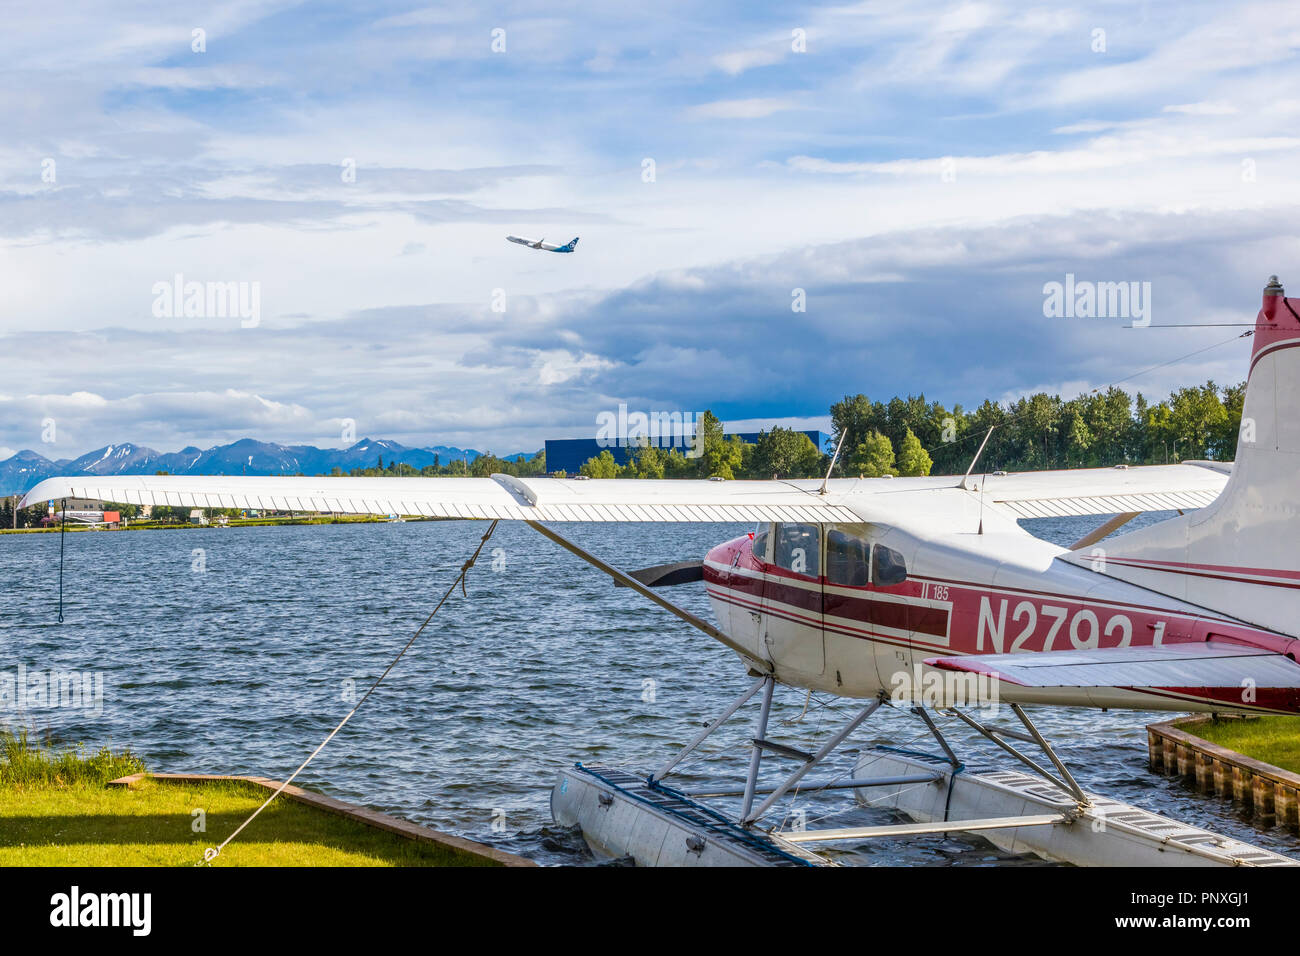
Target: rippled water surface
x=244, y=667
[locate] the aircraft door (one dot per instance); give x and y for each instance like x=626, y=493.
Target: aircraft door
x=855, y=653
x=748, y=622
x=867, y=610
x=792, y=600
x=893, y=615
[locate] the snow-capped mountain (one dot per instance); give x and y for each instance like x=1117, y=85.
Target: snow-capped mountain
x=244, y=457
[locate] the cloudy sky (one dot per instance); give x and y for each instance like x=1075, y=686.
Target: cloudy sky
x=918, y=170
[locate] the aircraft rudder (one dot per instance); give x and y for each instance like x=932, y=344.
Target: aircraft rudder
x=1240, y=555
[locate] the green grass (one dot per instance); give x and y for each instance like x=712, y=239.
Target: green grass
x=56, y=811
x=25, y=764
x=1274, y=740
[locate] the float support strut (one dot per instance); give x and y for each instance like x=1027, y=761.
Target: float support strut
x=746, y=817
x=1070, y=786
x=1051, y=755
x=703, y=734
x=756, y=754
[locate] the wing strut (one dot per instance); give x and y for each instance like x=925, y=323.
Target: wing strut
x=1099, y=532
x=628, y=581
x=1070, y=786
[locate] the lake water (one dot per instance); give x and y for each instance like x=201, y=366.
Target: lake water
x=236, y=650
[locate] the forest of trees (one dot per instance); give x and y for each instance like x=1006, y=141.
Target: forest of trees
x=910, y=436
x=481, y=467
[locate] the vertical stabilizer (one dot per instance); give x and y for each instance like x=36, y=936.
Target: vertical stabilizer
x=1240, y=556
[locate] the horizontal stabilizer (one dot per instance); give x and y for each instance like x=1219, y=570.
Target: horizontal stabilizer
x=1226, y=676
x=1203, y=664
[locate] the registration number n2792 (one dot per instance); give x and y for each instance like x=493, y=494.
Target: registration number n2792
x=1033, y=625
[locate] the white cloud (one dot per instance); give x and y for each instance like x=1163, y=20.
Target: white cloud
x=556, y=365
x=741, y=109
x=1097, y=126
x=1135, y=146
x=1203, y=109
x=201, y=78
x=738, y=62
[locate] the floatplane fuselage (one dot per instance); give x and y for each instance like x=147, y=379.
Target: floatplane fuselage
x=1197, y=612
x=858, y=610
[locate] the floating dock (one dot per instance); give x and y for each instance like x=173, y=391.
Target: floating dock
x=1107, y=833
x=626, y=815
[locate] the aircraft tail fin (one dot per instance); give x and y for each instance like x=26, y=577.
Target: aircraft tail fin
x=571, y=244
x=1239, y=555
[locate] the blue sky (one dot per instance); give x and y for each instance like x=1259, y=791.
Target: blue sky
x=920, y=170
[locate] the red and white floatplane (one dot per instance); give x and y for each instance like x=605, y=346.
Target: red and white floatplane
x=924, y=590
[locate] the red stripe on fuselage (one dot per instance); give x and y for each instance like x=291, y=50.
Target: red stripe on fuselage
x=1264, y=347
x=832, y=626
x=811, y=598
x=1209, y=571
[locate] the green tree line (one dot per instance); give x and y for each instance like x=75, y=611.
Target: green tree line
x=913, y=436
x=481, y=467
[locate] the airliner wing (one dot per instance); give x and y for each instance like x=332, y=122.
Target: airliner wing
x=1213, y=674
x=502, y=496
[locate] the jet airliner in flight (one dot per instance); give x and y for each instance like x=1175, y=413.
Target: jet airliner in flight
x=543, y=244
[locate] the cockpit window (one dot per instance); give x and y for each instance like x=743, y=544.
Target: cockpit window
x=887, y=567
x=846, y=559
x=759, y=546
x=798, y=548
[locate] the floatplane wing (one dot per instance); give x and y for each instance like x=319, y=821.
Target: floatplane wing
x=846, y=500
x=1099, y=491
x=503, y=497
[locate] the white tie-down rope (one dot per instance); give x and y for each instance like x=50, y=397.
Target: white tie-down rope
x=211, y=853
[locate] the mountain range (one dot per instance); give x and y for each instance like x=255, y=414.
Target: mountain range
x=244, y=457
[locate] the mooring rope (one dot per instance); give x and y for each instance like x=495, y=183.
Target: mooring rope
x=211, y=853
x=63, y=533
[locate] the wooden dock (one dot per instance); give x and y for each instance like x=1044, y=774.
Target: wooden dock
x=1271, y=794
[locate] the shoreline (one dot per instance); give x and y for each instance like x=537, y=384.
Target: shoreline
x=1268, y=793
